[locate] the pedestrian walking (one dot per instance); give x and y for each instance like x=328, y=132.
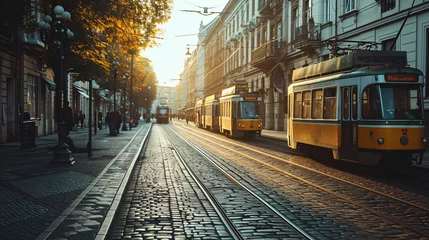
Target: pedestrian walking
x=81, y=118
x=75, y=120
x=118, y=121
x=67, y=114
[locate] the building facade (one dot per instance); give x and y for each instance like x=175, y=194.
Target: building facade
x=263, y=41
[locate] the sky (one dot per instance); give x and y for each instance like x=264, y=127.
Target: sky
x=168, y=58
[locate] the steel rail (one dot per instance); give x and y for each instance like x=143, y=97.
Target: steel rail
x=321, y=173
x=375, y=212
x=216, y=205
x=265, y=203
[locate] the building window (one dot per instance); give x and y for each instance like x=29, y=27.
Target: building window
x=253, y=7
x=387, y=5
x=32, y=96
x=242, y=16
x=294, y=22
x=233, y=27
x=326, y=11
x=349, y=5
x=305, y=11
x=387, y=44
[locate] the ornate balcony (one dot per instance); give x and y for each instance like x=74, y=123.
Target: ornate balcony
x=269, y=8
x=266, y=56
x=307, y=37
x=264, y=7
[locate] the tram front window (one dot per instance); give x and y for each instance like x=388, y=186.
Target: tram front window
x=400, y=102
x=250, y=110
x=391, y=102
x=162, y=111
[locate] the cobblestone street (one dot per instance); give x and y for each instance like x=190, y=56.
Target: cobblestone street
x=102, y=197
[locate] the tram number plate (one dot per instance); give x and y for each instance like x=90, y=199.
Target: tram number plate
x=404, y=131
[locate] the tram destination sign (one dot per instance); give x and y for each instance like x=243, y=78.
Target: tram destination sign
x=401, y=78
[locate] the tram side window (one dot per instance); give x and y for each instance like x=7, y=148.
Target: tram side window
x=306, y=104
x=330, y=103
x=209, y=110
x=371, y=108
x=317, y=104
x=297, y=107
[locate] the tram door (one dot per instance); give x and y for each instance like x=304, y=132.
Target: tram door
x=349, y=116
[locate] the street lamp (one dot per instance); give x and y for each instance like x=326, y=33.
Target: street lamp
x=60, y=40
x=132, y=52
x=124, y=124
x=114, y=114
x=115, y=65
x=188, y=53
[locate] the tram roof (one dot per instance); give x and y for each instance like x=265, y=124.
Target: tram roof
x=347, y=62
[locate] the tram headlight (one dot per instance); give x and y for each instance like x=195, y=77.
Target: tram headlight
x=424, y=140
x=242, y=126
x=380, y=140
x=259, y=125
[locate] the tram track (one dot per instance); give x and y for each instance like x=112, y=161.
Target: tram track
x=234, y=231
x=378, y=213
x=279, y=158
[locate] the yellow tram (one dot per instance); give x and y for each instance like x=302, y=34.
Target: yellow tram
x=211, y=113
x=199, y=113
x=240, y=113
x=162, y=114
x=364, y=107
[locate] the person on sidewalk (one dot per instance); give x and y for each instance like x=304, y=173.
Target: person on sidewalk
x=118, y=121
x=82, y=118
x=67, y=113
x=75, y=120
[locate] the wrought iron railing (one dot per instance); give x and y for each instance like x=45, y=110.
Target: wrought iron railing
x=267, y=50
x=307, y=32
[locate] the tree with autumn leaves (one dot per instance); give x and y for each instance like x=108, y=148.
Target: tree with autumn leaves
x=104, y=31
x=107, y=30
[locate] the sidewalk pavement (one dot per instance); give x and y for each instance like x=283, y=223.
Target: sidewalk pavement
x=282, y=135
x=35, y=192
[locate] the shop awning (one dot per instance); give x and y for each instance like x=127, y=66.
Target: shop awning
x=78, y=88
x=83, y=94
x=50, y=83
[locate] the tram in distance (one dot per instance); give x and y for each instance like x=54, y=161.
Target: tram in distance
x=162, y=114
x=364, y=107
x=235, y=113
